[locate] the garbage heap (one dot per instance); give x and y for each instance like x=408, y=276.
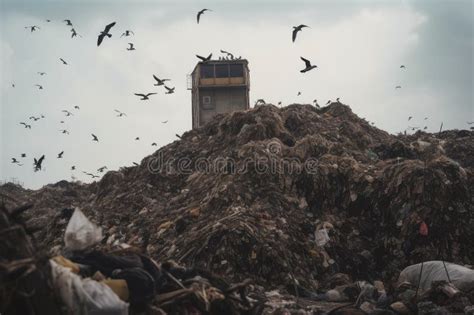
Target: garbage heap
x=285, y=196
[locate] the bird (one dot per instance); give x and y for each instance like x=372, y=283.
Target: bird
x=154, y=144
x=40, y=87
x=169, y=90
x=127, y=33
x=470, y=122
x=64, y=131
x=425, y=118
x=63, y=61
x=13, y=85
x=60, y=155
x=337, y=100
x=231, y=56
x=34, y=118
x=315, y=102
x=33, y=28
x=62, y=121
x=410, y=117
x=158, y=81
x=164, y=122
x=137, y=138
x=299, y=93
x=131, y=47
x=42, y=116
x=101, y=169
x=94, y=137
x=68, y=22
x=201, y=13
x=260, y=101
x=296, y=29
x=26, y=125
x=120, y=114
x=41, y=73
x=74, y=33
x=73, y=168
x=144, y=96
x=403, y=67
x=178, y=136
x=48, y=20
x=426, y=127
x=205, y=59
x=136, y=164
x=38, y=163
x=398, y=87
x=68, y=113
x=279, y=103
x=441, y=127
x=77, y=107
x=15, y=160
x=23, y=155
x=104, y=33
x=90, y=174
x=308, y=65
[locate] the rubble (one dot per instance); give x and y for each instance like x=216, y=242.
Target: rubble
x=288, y=197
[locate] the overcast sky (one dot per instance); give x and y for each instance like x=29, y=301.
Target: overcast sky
x=358, y=47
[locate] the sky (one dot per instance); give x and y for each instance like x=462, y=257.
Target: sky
x=358, y=47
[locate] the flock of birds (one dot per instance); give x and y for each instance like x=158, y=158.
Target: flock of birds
x=106, y=33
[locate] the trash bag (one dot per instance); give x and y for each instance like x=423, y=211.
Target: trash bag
x=85, y=296
x=461, y=277
x=80, y=232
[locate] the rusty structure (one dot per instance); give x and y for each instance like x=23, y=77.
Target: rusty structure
x=218, y=86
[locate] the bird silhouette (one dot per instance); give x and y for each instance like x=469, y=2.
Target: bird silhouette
x=64, y=131
x=94, y=137
x=136, y=164
x=229, y=55
x=178, y=136
x=120, y=114
x=158, y=81
x=299, y=93
x=169, y=90
x=164, y=122
x=63, y=61
x=91, y=175
x=74, y=33
x=73, y=168
x=137, y=138
x=33, y=28
x=201, y=13
x=441, y=127
x=40, y=87
x=101, y=169
x=38, y=163
x=144, y=96
x=48, y=20
x=68, y=22
x=34, y=118
x=398, y=87
x=26, y=125
x=403, y=67
x=426, y=118
x=23, y=155
x=410, y=117
x=205, y=59
x=315, y=102
x=127, y=33
x=41, y=73
x=279, y=103
x=337, y=100
x=77, y=107
x=470, y=122
x=131, y=47
x=296, y=29
x=15, y=160
x=104, y=33
x=13, y=85
x=308, y=65
x=154, y=144
x=68, y=113
x=260, y=101
x=60, y=155
x=328, y=102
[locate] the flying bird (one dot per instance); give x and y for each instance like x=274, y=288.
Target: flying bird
x=164, y=122
x=15, y=160
x=91, y=175
x=328, y=102
x=13, y=85
x=60, y=155
x=144, y=96
x=158, y=81
x=131, y=47
x=73, y=168
x=26, y=125
x=169, y=90
x=315, y=102
x=94, y=137
x=40, y=87
x=441, y=127
x=74, y=33
x=470, y=122
x=299, y=93
x=205, y=59
x=77, y=107
x=137, y=138
x=231, y=56
x=68, y=113
x=64, y=131
x=68, y=22
x=127, y=33
x=279, y=103
x=23, y=155
x=154, y=144
x=33, y=28
x=403, y=67
x=308, y=65
x=201, y=13
x=296, y=29
x=136, y=164
x=34, y=118
x=104, y=33
x=41, y=73
x=398, y=87
x=337, y=100
x=410, y=117
x=260, y=101
x=63, y=61
x=178, y=136
x=38, y=163
x=120, y=114
x=101, y=169
x=48, y=20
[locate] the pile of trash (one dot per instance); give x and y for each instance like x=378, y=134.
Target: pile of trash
x=288, y=197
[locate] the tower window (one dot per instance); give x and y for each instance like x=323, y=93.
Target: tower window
x=222, y=71
x=207, y=71
x=236, y=70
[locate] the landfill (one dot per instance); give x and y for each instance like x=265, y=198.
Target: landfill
x=293, y=210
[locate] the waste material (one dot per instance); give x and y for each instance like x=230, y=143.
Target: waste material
x=245, y=196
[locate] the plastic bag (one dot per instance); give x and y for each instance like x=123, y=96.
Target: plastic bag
x=85, y=296
x=461, y=277
x=80, y=232
x=321, y=237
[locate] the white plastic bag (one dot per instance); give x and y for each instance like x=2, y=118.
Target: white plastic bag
x=321, y=236
x=461, y=277
x=80, y=232
x=85, y=296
